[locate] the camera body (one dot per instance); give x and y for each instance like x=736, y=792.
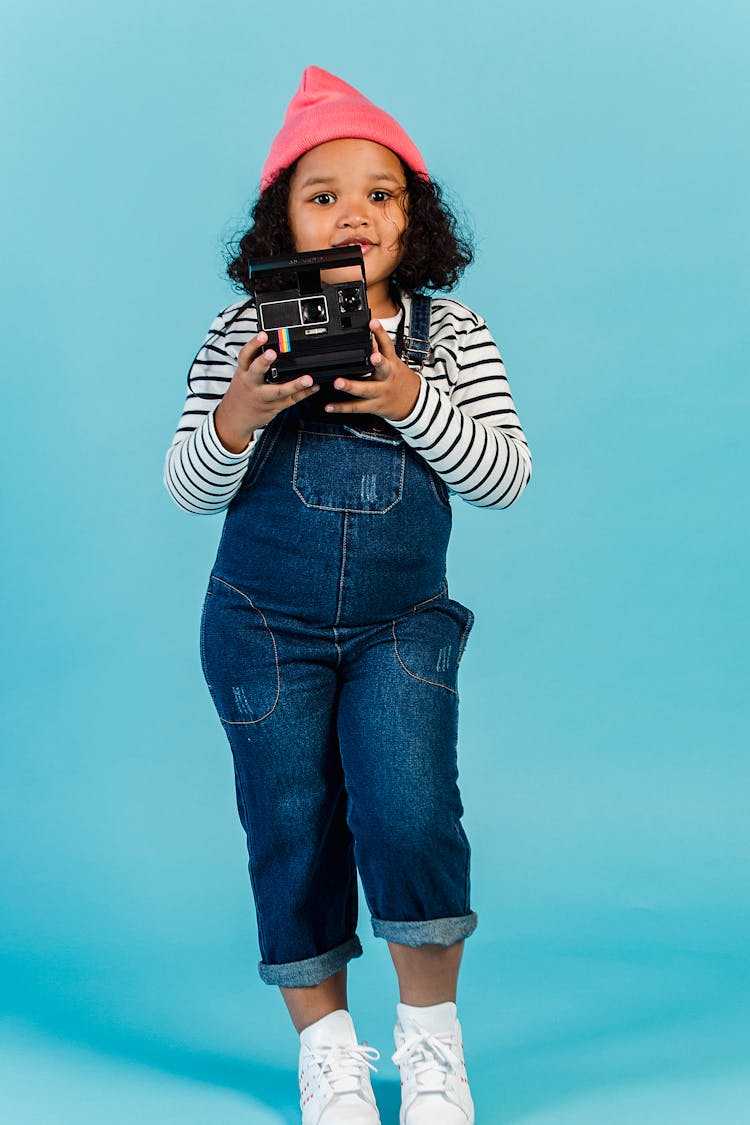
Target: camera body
x=315, y=328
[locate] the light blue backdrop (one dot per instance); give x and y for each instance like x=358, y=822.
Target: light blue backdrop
x=600, y=150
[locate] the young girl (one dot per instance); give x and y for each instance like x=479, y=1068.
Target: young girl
x=329, y=641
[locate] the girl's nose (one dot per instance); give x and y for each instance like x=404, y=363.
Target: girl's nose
x=352, y=215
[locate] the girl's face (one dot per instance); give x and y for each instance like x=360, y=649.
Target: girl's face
x=352, y=191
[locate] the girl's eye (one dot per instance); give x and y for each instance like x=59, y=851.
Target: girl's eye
x=383, y=194
x=324, y=197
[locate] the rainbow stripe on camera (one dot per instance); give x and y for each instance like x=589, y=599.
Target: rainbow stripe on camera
x=284, y=341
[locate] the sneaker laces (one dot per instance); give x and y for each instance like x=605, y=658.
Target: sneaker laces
x=430, y=1058
x=342, y=1065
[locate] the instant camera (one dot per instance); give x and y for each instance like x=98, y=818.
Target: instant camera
x=315, y=328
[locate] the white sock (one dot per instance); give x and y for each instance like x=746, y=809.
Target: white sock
x=336, y=1027
x=437, y=1018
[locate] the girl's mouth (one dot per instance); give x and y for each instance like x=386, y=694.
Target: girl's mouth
x=365, y=247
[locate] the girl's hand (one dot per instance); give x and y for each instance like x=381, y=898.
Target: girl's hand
x=391, y=392
x=249, y=402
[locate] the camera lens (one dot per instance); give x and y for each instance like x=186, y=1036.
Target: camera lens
x=350, y=299
x=313, y=310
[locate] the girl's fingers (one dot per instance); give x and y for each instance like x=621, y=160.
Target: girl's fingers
x=348, y=408
x=357, y=387
x=384, y=352
x=306, y=392
x=385, y=343
x=296, y=388
x=260, y=365
x=380, y=363
x=364, y=388
x=251, y=349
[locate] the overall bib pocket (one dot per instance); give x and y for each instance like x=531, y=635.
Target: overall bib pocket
x=238, y=655
x=349, y=471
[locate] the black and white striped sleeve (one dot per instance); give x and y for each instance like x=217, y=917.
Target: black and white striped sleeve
x=199, y=473
x=464, y=422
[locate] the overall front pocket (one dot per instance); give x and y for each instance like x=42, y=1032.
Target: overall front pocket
x=430, y=640
x=348, y=472
x=238, y=655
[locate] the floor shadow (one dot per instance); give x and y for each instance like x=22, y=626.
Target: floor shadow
x=618, y=1040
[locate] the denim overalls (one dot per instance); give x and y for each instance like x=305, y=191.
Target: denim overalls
x=331, y=649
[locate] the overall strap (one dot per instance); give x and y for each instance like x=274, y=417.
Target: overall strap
x=417, y=345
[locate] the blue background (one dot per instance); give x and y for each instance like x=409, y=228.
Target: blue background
x=600, y=151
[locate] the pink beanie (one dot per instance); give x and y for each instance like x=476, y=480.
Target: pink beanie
x=325, y=108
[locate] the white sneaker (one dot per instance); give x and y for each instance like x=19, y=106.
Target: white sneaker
x=434, y=1085
x=334, y=1074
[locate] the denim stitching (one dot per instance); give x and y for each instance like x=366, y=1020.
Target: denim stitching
x=331, y=507
x=467, y=881
x=328, y=433
x=337, y=646
x=251, y=722
x=354, y=434
x=295, y=466
x=465, y=635
x=343, y=570
x=266, y=445
x=202, y=633
x=253, y=881
x=369, y=435
x=412, y=674
x=443, y=500
x=441, y=592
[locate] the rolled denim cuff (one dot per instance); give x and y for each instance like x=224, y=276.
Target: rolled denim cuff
x=313, y=970
x=436, y=931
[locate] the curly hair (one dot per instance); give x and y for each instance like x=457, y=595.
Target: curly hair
x=437, y=247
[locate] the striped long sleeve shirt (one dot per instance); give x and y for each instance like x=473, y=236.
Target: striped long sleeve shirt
x=463, y=423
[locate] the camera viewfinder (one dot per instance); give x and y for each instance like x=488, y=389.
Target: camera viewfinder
x=350, y=299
